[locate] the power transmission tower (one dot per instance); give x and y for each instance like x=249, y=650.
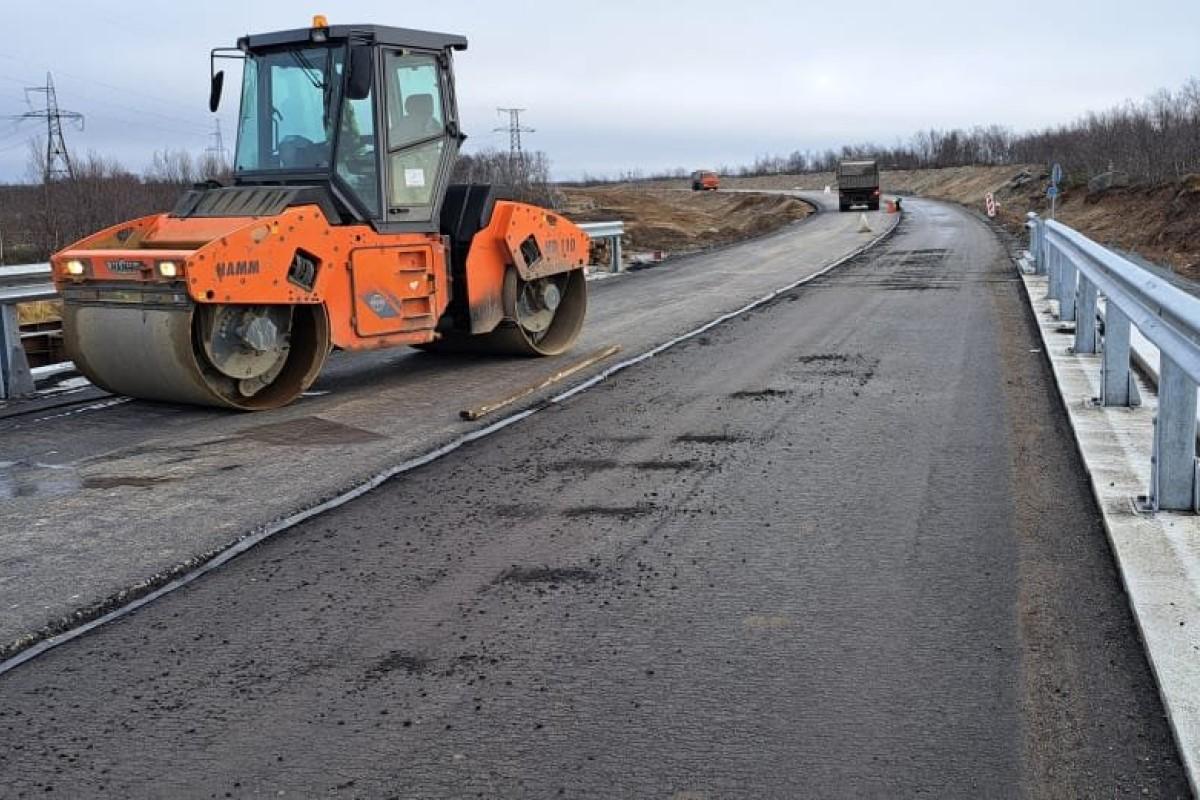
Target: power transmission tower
x=217, y=148
x=58, y=160
x=514, y=132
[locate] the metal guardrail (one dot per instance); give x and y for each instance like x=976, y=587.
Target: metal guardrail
x=20, y=284
x=25, y=283
x=1080, y=272
x=612, y=231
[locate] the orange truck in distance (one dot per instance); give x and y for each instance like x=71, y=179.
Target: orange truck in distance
x=705, y=180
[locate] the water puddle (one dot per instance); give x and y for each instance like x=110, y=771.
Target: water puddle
x=22, y=479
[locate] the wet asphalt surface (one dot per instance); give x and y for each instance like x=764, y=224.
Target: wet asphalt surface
x=838, y=547
x=101, y=497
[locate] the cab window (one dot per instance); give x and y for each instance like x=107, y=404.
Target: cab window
x=287, y=97
x=416, y=132
x=356, y=163
x=414, y=99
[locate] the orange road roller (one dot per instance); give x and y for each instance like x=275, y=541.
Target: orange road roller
x=340, y=229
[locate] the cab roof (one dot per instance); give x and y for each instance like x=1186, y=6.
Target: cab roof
x=376, y=34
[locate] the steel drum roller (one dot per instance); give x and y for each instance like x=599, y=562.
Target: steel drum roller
x=250, y=358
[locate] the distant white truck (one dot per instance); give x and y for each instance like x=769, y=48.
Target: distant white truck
x=858, y=184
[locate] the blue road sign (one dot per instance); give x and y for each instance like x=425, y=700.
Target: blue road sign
x=1052, y=192
x=1056, y=174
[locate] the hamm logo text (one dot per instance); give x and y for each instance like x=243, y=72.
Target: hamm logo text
x=232, y=269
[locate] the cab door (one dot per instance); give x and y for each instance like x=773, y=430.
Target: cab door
x=421, y=130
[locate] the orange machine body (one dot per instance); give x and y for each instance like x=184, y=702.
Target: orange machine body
x=378, y=289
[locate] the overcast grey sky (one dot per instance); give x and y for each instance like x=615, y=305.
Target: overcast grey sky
x=628, y=84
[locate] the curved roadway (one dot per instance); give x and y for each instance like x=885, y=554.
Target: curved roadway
x=837, y=547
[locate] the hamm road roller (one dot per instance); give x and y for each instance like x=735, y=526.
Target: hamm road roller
x=340, y=229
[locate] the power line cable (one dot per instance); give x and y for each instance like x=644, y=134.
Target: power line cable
x=124, y=90
x=193, y=124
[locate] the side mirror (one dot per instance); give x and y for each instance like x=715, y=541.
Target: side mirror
x=358, y=87
x=214, y=93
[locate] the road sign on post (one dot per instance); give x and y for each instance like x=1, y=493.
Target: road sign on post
x=990, y=201
x=1052, y=192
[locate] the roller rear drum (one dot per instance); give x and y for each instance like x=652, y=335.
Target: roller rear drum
x=541, y=318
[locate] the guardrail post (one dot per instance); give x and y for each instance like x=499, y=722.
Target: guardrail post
x=1058, y=269
x=1173, y=475
x=615, y=250
x=1085, y=322
x=1052, y=260
x=1041, y=243
x=1116, y=378
x=1066, y=288
x=1042, y=263
x=15, y=378
x=1035, y=243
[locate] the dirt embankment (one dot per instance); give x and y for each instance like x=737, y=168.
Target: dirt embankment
x=1161, y=223
x=680, y=221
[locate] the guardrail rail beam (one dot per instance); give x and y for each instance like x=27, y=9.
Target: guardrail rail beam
x=1081, y=272
x=19, y=284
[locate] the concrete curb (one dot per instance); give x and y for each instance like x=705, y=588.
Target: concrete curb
x=1157, y=555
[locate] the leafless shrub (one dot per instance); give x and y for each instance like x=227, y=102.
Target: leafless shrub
x=1156, y=140
x=37, y=218
x=526, y=177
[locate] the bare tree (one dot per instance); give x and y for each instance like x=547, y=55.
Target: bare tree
x=1156, y=140
x=40, y=217
x=527, y=178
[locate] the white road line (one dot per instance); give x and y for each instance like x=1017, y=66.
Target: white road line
x=115, y=401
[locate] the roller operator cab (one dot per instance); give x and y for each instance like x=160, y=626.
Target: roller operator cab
x=340, y=230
